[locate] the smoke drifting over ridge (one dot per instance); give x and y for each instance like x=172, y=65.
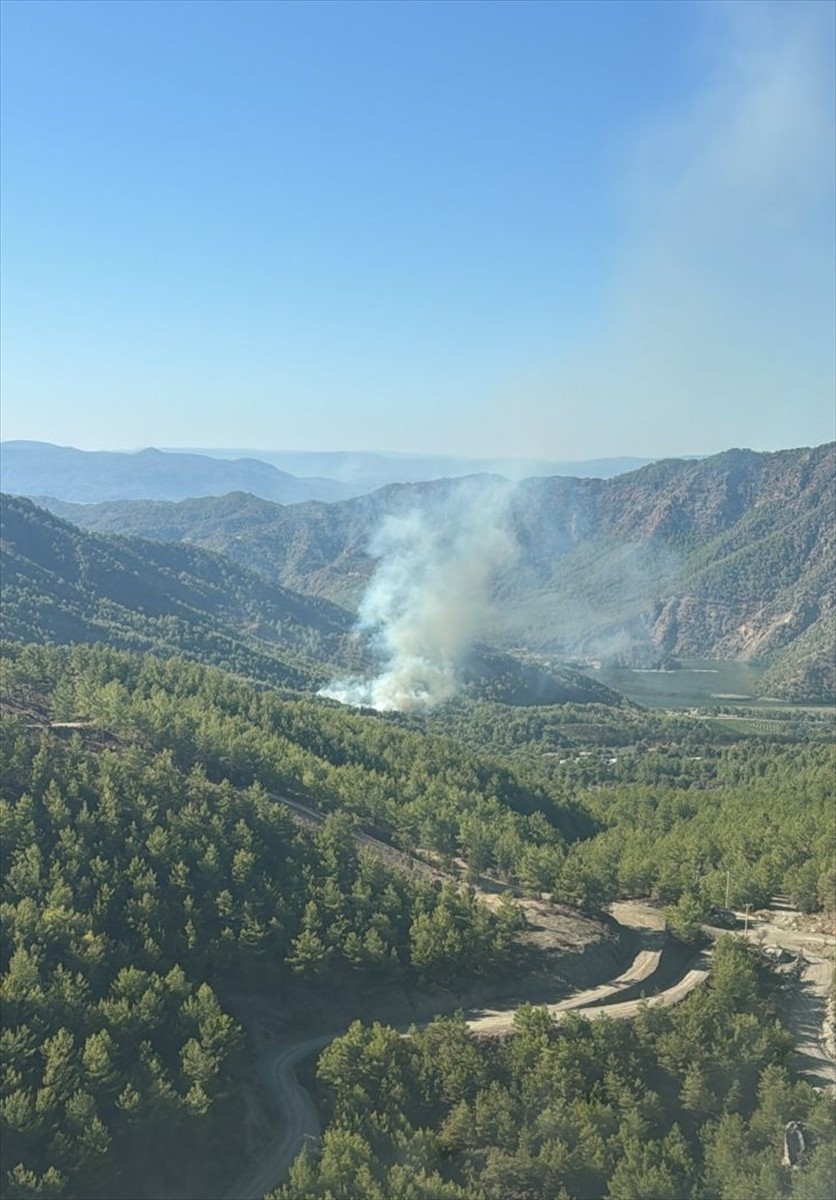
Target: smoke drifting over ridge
x=429, y=598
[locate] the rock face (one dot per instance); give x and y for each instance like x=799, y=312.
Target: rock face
x=761, y=585
x=727, y=557
x=731, y=557
x=794, y=1143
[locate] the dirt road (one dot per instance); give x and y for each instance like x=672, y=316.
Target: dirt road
x=807, y=1007
x=298, y=1118
x=589, y=1004
x=650, y=925
x=647, y=926
x=297, y=1115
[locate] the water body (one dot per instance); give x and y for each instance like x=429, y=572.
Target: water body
x=699, y=684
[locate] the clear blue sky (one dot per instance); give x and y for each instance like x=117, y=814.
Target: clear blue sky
x=565, y=229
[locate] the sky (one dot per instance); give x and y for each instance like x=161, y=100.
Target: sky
x=493, y=229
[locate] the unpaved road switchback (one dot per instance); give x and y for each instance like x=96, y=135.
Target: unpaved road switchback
x=297, y=1117
x=649, y=979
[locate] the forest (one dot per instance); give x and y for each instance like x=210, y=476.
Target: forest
x=684, y=1103
x=151, y=878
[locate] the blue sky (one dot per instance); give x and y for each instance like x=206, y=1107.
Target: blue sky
x=564, y=229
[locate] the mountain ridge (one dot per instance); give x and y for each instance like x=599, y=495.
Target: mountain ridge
x=371, y=470
x=62, y=584
x=33, y=468
x=730, y=556
x=90, y=476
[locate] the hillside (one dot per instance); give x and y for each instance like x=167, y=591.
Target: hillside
x=731, y=557
x=159, y=903
x=32, y=468
x=61, y=584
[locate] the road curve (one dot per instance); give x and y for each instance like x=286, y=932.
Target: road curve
x=298, y=1118
x=500, y=1023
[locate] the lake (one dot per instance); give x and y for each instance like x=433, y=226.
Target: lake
x=700, y=684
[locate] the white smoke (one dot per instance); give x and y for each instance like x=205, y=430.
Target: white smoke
x=430, y=596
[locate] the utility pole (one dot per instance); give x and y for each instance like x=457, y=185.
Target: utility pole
x=728, y=886
x=746, y=919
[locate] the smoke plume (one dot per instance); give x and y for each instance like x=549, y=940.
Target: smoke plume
x=430, y=596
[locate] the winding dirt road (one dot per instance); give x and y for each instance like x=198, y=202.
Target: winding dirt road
x=298, y=1118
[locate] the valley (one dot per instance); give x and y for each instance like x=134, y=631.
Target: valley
x=729, y=557
x=228, y=896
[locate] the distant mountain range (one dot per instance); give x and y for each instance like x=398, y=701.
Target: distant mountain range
x=86, y=476
x=730, y=556
x=365, y=471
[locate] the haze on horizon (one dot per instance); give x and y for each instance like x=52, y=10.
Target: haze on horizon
x=489, y=229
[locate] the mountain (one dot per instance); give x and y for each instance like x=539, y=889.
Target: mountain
x=730, y=556
x=322, y=546
x=87, y=477
x=64, y=585
x=84, y=476
x=366, y=472
x=61, y=584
